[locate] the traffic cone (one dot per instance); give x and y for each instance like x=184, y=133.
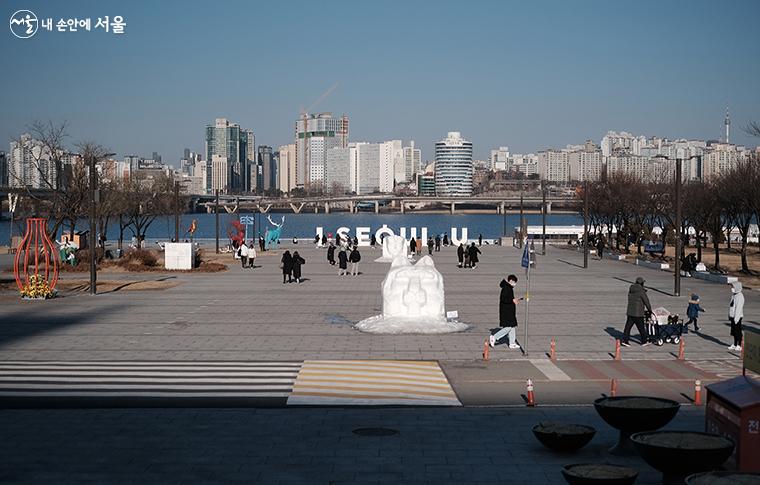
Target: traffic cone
x=613, y=388
x=681, y=349
x=529, y=389
x=617, y=349
x=553, y=350
x=486, y=349
x=697, y=392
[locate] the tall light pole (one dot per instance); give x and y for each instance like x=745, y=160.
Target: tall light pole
x=678, y=221
x=94, y=199
x=585, y=224
x=543, y=218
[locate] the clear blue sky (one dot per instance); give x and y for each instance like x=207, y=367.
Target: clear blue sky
x=530, y=75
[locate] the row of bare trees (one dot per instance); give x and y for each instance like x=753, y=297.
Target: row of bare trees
x=65, y=196
x=711, y=210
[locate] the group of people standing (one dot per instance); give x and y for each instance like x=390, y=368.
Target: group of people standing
x=468, y=256
x=346, y=254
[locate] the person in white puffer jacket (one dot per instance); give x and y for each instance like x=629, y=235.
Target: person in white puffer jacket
x=735, y=315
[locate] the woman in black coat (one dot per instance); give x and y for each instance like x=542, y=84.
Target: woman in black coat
x=297, y=262
x=342, y=262
x=460, y=254
x=331, y=254
x=412, y=246
x=507, y=313
x=474, y=251
x=286, y=263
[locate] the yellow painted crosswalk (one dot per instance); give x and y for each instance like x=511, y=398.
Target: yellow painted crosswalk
x=372, y=382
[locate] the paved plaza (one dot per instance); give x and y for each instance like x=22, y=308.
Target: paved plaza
x=311, y=445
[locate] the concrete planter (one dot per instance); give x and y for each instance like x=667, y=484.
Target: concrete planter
x=652, y=264
x=615, y=257
x=714, y=277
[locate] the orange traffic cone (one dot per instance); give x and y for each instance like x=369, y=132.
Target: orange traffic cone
x=529, y=389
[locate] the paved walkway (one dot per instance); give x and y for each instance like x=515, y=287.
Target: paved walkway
x=299, y=445
x=249, y=315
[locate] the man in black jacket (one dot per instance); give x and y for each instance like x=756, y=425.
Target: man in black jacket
x=507, y=313
x=638, y=302
x=355, y=257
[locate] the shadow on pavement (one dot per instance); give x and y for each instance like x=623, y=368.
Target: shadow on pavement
x=28, y=321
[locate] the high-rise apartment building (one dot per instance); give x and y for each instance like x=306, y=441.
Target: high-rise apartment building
x=314, y=135
x=453, y=166
x=338, y=170
x=236, y=145
x=219, y=174
x=586, y=162
x=412, y=162
x=266, y=170
x=499, y=159
x=554, y=165
x=286, y=168
x=3, y=170
x=30, y=164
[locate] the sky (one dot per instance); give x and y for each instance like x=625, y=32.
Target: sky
x=528, y=75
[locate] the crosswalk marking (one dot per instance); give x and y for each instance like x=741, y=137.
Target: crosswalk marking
x=372, y=382
x=550, y=370
x=54, y=379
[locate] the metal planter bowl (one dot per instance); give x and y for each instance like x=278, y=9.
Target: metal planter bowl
x=679, y=453
x=599, y=474
x=563, y=437
x=723, y=478
x=631, y=414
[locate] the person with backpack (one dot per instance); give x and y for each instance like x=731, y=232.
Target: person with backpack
x=355, y=258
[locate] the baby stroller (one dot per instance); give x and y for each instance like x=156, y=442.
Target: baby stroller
x=664, y=327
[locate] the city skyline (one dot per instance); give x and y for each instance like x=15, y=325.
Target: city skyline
x=529, y=85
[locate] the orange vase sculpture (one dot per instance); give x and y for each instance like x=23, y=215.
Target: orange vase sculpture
x=36, y=255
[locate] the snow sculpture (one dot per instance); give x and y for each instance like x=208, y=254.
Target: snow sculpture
x=413, y=296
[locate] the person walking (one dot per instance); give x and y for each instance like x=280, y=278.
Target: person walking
x=324, y=240
x=692, y=311
x=736, y=314
x=286, y=263
x=261, y=244
x=243, y=252
x=507, y=313
x=372, y=241
x=480, y=239
x=331, y=254
x=412, y=246
x=297, y=262
x=638, y=303
x=355, y=257
x=437, y=243
x=446, y=240
x=430, y=245
x=600, y=247
x=251, y=254
x=419, y=246
x=342, y=262
x=460, y=254
x=474, y=251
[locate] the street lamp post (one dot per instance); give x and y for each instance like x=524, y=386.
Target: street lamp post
x=678, y=221
x=94, y=196
x=543, y=218
x=585, y=224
